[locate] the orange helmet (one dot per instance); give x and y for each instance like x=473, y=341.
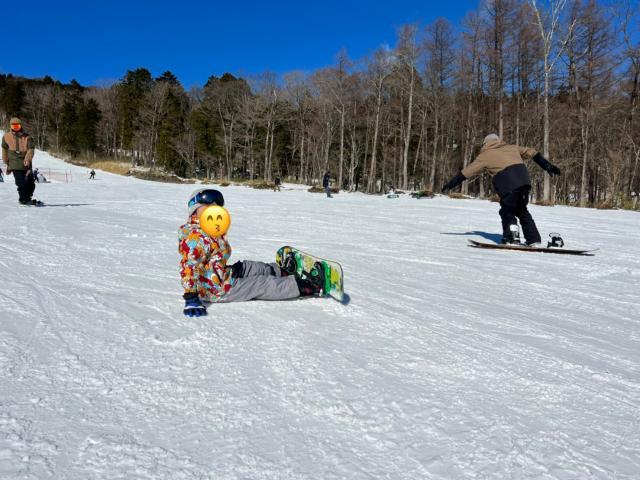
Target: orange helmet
x=16, y=124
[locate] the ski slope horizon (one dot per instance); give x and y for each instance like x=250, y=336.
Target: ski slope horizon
x=450, y=362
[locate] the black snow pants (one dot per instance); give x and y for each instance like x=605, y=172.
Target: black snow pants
x=513, y=208
x=25, y=183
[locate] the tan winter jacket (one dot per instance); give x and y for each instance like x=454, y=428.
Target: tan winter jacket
x=504, y=163
x=17, y=151
x=495, y=157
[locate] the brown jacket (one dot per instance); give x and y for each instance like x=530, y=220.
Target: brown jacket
x=17, y=151
x=495, y=157
x=504, y=163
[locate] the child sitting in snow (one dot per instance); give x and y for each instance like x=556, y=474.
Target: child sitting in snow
x=206, y=276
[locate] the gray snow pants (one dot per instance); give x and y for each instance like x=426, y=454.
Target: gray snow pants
x=261, y=281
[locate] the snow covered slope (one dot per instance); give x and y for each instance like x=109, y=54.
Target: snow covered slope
x=450, y=362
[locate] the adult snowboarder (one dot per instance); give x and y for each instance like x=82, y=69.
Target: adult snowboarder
x=92, y=174
x=325, y=183
x=17, y=153
x=276, y=184
x=511, y=182
x=206, y=277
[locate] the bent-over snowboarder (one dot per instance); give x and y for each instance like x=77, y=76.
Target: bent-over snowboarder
x=511, y=182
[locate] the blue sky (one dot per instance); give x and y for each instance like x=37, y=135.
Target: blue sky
x=98, y=41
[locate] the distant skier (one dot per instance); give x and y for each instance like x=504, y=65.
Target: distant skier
x=206, y=277
x=36, y=175
x=277, y=182
x=325, y=183
x=17, y=153
x=92, y=174
x=511, y=182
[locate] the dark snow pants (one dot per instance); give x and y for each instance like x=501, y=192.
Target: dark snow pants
x=25, y=183
x=514, y=208
x=260, y=281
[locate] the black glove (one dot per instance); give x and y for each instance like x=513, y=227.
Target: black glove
x=546, y=165
x=193, y=307
x=237, y=270
x=454, y=182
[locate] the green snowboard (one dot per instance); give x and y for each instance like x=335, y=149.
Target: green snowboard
x=295, y=261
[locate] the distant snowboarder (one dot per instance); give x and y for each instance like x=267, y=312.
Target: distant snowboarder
x=277, y=182
x=325, y=183
x=17, y=153
x=511, y=182
x=1, y=177
x=205, y=275
x=92, y=175
x=36, y=175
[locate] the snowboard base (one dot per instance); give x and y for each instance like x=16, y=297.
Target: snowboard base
x=304, y=262
x=524, y=248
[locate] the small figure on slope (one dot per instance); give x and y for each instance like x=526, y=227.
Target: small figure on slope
x=276, y=184
x=92, y=174
x=206, y=277
x=511, y=182
x=325, y=183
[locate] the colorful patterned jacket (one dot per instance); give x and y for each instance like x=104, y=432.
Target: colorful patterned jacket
x=203, y=262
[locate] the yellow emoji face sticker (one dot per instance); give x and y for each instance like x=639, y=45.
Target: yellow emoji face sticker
x=215, y=221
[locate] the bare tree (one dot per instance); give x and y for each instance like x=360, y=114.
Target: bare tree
x=150, y=116
x=378, y=70
x=36, y=107
x=548, y=18
x=408, y=52
x=438, y=70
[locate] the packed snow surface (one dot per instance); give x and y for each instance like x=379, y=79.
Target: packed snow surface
x=450, y=362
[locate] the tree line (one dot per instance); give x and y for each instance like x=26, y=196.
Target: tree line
x=562, y=76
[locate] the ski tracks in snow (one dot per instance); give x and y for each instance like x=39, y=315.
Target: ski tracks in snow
x=448, y=362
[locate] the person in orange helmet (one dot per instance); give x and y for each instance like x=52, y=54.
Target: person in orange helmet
x=17, y=153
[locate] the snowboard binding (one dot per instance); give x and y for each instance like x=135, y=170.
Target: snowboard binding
x=513, y=237
x=556, y=241
x=290, y=265
x=317, y=278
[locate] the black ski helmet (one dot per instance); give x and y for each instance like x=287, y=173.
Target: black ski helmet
x=204, y=196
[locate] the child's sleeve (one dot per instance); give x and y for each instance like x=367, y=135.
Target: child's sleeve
x=194, y=249
x=219, y=253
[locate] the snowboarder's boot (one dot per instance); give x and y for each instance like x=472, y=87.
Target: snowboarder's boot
x=312, y=283
x=32, y=203
x=513, y=236
x=289, y=265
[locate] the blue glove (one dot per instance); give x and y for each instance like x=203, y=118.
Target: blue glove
x=193, y=307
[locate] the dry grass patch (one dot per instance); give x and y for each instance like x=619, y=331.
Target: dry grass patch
x=119, y=168
x=422, y=194
x=318, y=189
x=157, y=176
x=457, y=196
